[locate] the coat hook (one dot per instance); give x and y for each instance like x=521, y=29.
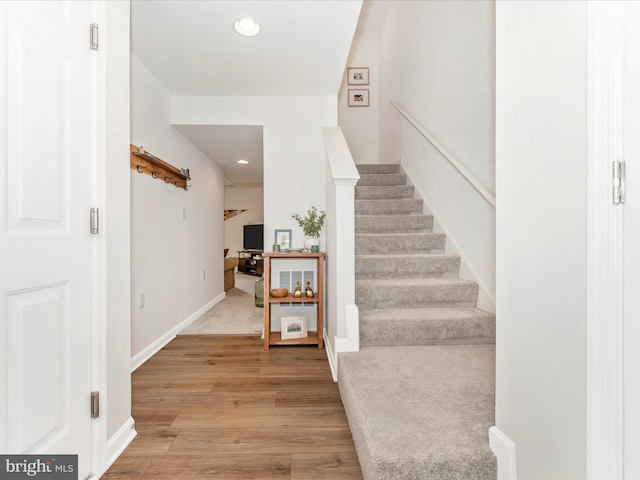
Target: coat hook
x=154, y=174
x=138, y=167
x=167, y=179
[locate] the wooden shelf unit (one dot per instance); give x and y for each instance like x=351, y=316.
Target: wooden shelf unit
x=274, y=338
x=157, y=168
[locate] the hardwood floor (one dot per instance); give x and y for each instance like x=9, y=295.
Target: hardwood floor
x=220, y=407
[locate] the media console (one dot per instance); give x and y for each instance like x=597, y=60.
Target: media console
x=250, y=262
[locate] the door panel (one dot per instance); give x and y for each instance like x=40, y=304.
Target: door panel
x=40, y=319
x=35, y=187
x=47, y=173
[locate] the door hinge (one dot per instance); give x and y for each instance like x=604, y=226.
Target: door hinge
x=619, y=182
x=95, y=404
x=93, y=36
x=95, y=221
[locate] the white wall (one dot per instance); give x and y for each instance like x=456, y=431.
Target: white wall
x=438, y=59
x=294, y=153
x=236, y=198
x=360, y=124
x=169, y=253
x=117, y=219
x=540, y=234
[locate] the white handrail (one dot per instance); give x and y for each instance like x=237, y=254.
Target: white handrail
x=484, y=193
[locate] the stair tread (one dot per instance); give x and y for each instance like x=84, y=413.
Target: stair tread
x=425, y=313
x=407, y=265
x=382, y=257
x=436, y=282
x=436, y=426
x=407, y=255
x=363, y=168
x=393, y=189
x=374, y=215
x=408, y=214
x=401, y=234
x=423, y=326
x=384, y=200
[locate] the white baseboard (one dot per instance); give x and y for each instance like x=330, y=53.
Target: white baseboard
x=118, y=442
x=486, y=300
x=505, y=451
x=138, y=359
x=331, y=356
x=350, y=343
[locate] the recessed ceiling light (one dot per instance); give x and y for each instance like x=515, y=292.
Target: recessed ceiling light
x=247, y=27
x=243, y=162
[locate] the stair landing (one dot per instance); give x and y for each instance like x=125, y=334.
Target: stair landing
x=421, y=412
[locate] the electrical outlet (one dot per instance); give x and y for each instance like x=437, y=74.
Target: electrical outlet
x=141, y=300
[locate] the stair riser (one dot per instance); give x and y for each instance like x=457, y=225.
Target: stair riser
x=409, y=332
x=400, y=244
x=393, y=224
x=388, y=207
x=384, y=192
x=379, y=168
x=396, y=296
x=386, y=180
x=407, y=267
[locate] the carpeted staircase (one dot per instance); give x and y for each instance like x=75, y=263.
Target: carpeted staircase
x=419, y=394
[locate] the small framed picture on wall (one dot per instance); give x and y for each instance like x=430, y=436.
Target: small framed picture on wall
x=358, y=98
x=358, y=75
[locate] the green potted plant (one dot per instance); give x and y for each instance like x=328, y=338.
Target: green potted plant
x=311, y=225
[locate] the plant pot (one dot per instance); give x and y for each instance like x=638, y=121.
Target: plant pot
x=259, y=293
x=310, y=242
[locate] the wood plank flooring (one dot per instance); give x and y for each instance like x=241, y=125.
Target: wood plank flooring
x=220, y=407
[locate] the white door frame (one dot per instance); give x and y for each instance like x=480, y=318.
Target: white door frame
x=605, y=235
x=631, y=239
x=99, y=257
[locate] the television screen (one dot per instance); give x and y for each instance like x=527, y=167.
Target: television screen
x=253, y=238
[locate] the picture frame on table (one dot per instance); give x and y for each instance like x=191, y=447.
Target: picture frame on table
x=293, y=327
x=282, y=238
x=359, y=97
x=358, y=75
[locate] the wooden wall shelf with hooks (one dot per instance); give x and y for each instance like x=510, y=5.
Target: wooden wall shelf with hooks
x=157, y=168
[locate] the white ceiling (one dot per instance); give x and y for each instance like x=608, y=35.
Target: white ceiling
x=191, y=48
x=227, y=144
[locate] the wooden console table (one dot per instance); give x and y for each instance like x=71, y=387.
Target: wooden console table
x=274, y=338
x=250, y=262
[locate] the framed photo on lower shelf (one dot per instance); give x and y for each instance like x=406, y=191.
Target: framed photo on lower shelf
x=293, y=327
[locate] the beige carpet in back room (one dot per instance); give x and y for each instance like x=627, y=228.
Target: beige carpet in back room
x=235, y=314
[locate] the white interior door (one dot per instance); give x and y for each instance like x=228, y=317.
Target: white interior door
x=47, y=169
x=632, y=243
